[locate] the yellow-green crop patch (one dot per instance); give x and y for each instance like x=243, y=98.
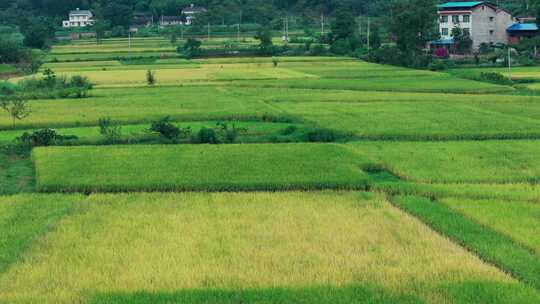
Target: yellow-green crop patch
x=518, y=220
x=198, y=167
x=319, y=247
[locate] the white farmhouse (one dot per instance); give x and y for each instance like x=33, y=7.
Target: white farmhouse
x=190, y=12
x=483, y=21
x=79, y=18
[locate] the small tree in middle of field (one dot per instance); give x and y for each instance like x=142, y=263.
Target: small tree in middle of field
x=17, y=108
x=111, y=129
x=150, y=78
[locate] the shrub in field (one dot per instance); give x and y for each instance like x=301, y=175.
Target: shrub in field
x=289, y=130
x=317, y=49
x=166, y=129
x=321, y=135
x=228, y=134
x=437, y=65
x=52, y=86
x=81, y=84
x=109, y=128
x=207, y=136
x=494, y=77
x=192, y=48
x=43, y=137
x=150, y=77
x=275, y=61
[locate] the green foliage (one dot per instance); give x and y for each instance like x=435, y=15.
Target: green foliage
x=110, y=129
x=38, y=32
x=166, y=129
x=207, y=136
x=227, y=133
x=150, y=78
x=321, y=135
x=17, y=108
x=344, y=25
x=462, y=40
x=266, y=46
x=414, y=23
x=494, y=77
x=43, y=137
x=192, y=48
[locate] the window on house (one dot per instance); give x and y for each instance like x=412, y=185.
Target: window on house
x=444, y=19
x=491, y=19
x=444, y=32
x=467, y=31
x=466, y=18
x=491, y=32
x=455, y=18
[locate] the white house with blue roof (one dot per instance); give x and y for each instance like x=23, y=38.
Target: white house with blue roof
x=485, y=22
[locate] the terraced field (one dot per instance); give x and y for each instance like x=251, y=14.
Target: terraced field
x=328, y=180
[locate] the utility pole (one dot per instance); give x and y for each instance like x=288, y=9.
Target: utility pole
x=509, y=66
x=182, y=31
x=238, y=32
x=208, y=31
x=368, y=32
x=129, y=39
x=360, y=26
x=322, y=24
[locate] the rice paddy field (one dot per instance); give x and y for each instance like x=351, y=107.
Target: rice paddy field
x=348, y=182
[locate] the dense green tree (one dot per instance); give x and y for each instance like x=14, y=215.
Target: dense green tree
x=462, y=40
x=266, y=47
x=413, y=23
x=38, y=32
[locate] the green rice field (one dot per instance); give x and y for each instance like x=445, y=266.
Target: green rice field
x=342, y=181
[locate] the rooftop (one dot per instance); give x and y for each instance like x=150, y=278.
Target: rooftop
x=81, y=12
x=517, y=27
x=456, y=4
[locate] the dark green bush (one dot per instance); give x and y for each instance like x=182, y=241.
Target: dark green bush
x=207, y=136
x=165, y=128
x=43, y=137
x=494, y=77
x=111, y=129
x=227, y=133
x=321, y=135
x=289, y=130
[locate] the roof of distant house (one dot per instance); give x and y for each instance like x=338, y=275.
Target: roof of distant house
x=171, y=18
x=455, y=4
x=193, y=9
x=80, y=12
x=522, y=27
x=443, y=41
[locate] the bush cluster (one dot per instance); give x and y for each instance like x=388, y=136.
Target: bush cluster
x=50, y=86
x=43, y=137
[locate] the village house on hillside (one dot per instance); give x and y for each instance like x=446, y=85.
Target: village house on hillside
x=79, y=18
x=191, y=11
x=483, y=21
x=186, y=17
